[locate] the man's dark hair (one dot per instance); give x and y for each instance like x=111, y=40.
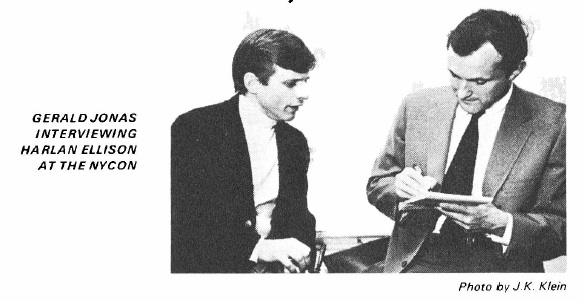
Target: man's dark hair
x=263, y=48
x=504, y=31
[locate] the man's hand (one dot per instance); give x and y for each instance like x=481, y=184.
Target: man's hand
x=482, y=217
x=291, y=253
x=410, y=183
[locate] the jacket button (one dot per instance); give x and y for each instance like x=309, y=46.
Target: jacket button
x=248, y=223
x=404, y=263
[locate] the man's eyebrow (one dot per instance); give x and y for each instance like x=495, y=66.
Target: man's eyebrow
x=295, y=80
x=453, y=73
x=470, y=79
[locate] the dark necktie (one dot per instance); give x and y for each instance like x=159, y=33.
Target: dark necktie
x=460, y=174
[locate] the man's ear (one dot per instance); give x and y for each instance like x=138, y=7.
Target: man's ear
x=251, y=82
x=518, y=70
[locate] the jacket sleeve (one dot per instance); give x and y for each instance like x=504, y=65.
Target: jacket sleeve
x=291, y=217
x=302, y=224
x=184, y=170
x=390, y=162
x=206, y=236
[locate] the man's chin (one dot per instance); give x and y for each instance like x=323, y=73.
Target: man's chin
x=471, y=108
x=289, y=116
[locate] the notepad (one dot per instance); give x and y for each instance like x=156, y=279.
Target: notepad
x=430, y=200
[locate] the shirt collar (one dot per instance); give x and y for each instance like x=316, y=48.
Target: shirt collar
x=500, y=105
x=252, y=114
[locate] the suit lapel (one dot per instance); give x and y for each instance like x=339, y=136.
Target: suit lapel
x=283, y=153
x=235, y=144
x=515, y=129
x=440, y=120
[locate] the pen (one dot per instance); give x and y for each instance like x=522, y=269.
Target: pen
x=418, y=169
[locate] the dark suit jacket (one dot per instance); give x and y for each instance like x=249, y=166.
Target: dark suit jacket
x=213, y=212
x=526, y=174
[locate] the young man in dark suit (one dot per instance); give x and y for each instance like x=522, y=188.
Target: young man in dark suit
x=239, y=171
x=483, y=136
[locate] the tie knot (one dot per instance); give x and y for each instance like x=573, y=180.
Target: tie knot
x=477, y=116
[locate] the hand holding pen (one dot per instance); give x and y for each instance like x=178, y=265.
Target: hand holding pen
x=411, y=182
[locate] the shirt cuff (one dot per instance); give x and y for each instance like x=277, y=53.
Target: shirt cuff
x=505, y=239
x=255, y=255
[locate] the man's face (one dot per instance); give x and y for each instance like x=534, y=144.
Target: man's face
x=283, y=95
x=476, y=79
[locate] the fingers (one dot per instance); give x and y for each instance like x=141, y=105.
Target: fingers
x=299, y=254
x=467, y=227
x=457, y=212
x=457, y=218
x=302, y=263
x=456, y=208
x=448, y=213
x=290, y=267
x=460, y=218
x=429, y=182
x=406, y=190
x=410, y=183
x=468, y=217
x=290, y=252
x=475, y=211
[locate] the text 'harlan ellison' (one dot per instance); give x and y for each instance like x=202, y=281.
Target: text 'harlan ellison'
x=85, y=149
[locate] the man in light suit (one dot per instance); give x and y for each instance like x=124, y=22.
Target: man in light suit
x=239, y=171
x=514, y=153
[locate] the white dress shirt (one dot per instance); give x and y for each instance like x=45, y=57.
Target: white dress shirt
x=262, y=145
x=488, y=126
x=260, y=136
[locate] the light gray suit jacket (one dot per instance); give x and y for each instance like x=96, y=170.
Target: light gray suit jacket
x=526, y=174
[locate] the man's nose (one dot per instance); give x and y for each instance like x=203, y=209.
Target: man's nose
x=302, y=93
x=463, y=90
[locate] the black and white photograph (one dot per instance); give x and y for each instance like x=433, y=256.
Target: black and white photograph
x=169, y=149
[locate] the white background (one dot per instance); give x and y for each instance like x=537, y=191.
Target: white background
x=78, y=235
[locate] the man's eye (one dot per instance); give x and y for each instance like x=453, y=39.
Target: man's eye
x=290, y=85
x=481, y=82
